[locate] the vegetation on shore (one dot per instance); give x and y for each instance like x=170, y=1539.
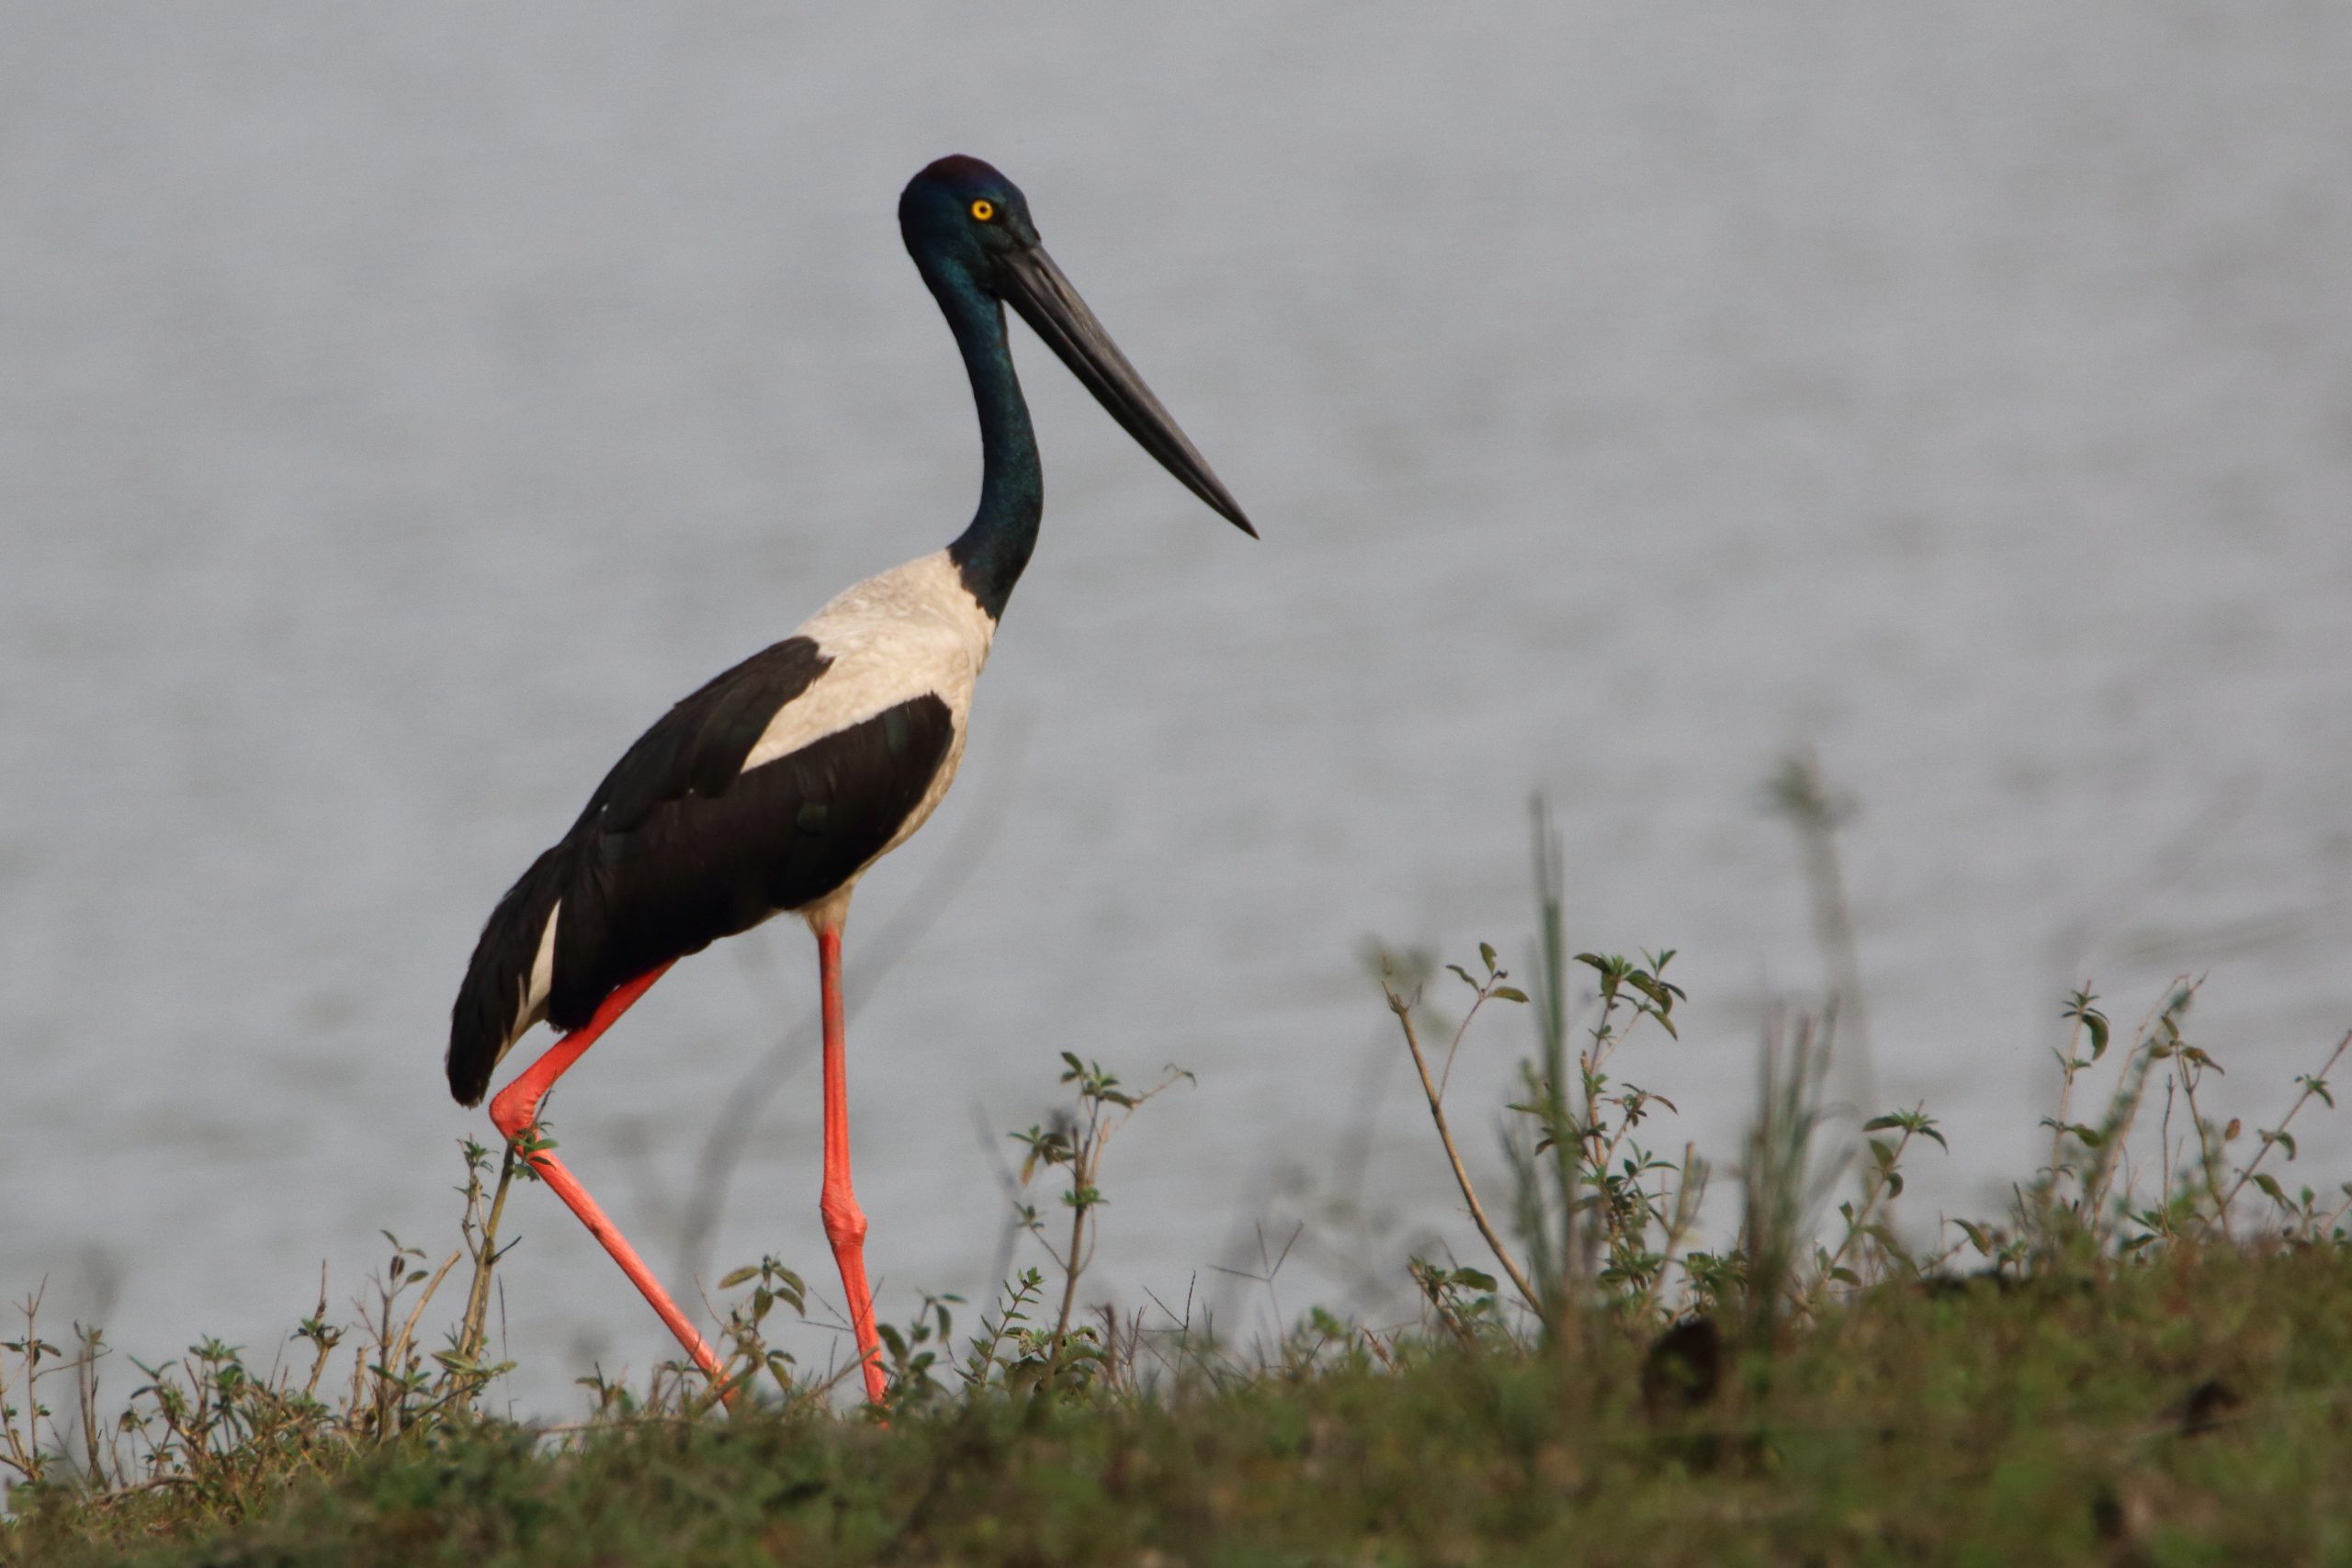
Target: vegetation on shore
x=2146, y=1359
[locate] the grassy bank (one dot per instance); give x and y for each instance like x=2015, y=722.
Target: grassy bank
x=2145, y=1359
x=2189, y=1410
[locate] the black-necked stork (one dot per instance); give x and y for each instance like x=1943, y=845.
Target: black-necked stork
x=773, y=787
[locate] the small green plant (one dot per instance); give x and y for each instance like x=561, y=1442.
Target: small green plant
x=917, y=1348
x=1870, y=1246
x=463, y=1360
x=1462, y=1301
x=987, y=1364
x=22, y=1410
x=750, y=1357
x=2076, y=1214
x=1601, y=1214
x=223, y=1437
x=1433, y=1092
x=1074, y=1144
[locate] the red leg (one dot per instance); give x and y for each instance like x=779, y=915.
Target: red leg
x=516, y=1108
x=845, y=1221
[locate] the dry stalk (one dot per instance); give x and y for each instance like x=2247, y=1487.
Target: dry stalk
x=408, y=1329
x=1404, y=1011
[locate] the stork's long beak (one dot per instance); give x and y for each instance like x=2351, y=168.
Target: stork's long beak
x=1036, y=288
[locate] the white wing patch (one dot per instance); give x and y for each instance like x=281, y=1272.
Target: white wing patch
x=542, y=980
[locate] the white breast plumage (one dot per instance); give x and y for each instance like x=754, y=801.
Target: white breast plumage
x=910, y=630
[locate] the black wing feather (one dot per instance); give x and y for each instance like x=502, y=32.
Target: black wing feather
x=699, y=747
x=481, y=1024
x=679, y=846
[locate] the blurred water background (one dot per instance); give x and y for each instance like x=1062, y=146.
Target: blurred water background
x=401, y=405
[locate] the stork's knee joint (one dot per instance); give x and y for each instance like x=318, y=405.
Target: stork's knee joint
x=845, y=1221
x=512, y=1113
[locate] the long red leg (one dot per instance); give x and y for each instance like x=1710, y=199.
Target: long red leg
x=845, y=1221
x=516, y=1108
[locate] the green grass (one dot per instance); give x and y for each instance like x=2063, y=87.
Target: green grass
x=2147, y=1359
x=2190, y=1409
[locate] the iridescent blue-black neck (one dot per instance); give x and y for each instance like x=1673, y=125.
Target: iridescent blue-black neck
x=992, y=551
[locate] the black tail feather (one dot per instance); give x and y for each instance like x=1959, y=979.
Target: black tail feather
x=482, y=1024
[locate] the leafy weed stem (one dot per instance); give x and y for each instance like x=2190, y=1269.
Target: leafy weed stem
x=1436, y=1097
x=2315, y=1086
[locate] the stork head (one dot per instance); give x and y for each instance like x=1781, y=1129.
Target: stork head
x=968, y=229
x=963, y=211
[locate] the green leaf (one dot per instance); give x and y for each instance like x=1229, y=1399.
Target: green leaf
x=738, y=1276
x=2079, y=1009
x=1649, y=986
x=1487, y=955
x=1508, y=994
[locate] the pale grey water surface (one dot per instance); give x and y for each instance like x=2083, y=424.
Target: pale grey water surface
x=400, y=405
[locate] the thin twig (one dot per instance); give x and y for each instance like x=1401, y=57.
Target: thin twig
x=2312, y=1086
x=399, y=1344
x=1403, y=1010
x=1799, y=793
x=474, y=1328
